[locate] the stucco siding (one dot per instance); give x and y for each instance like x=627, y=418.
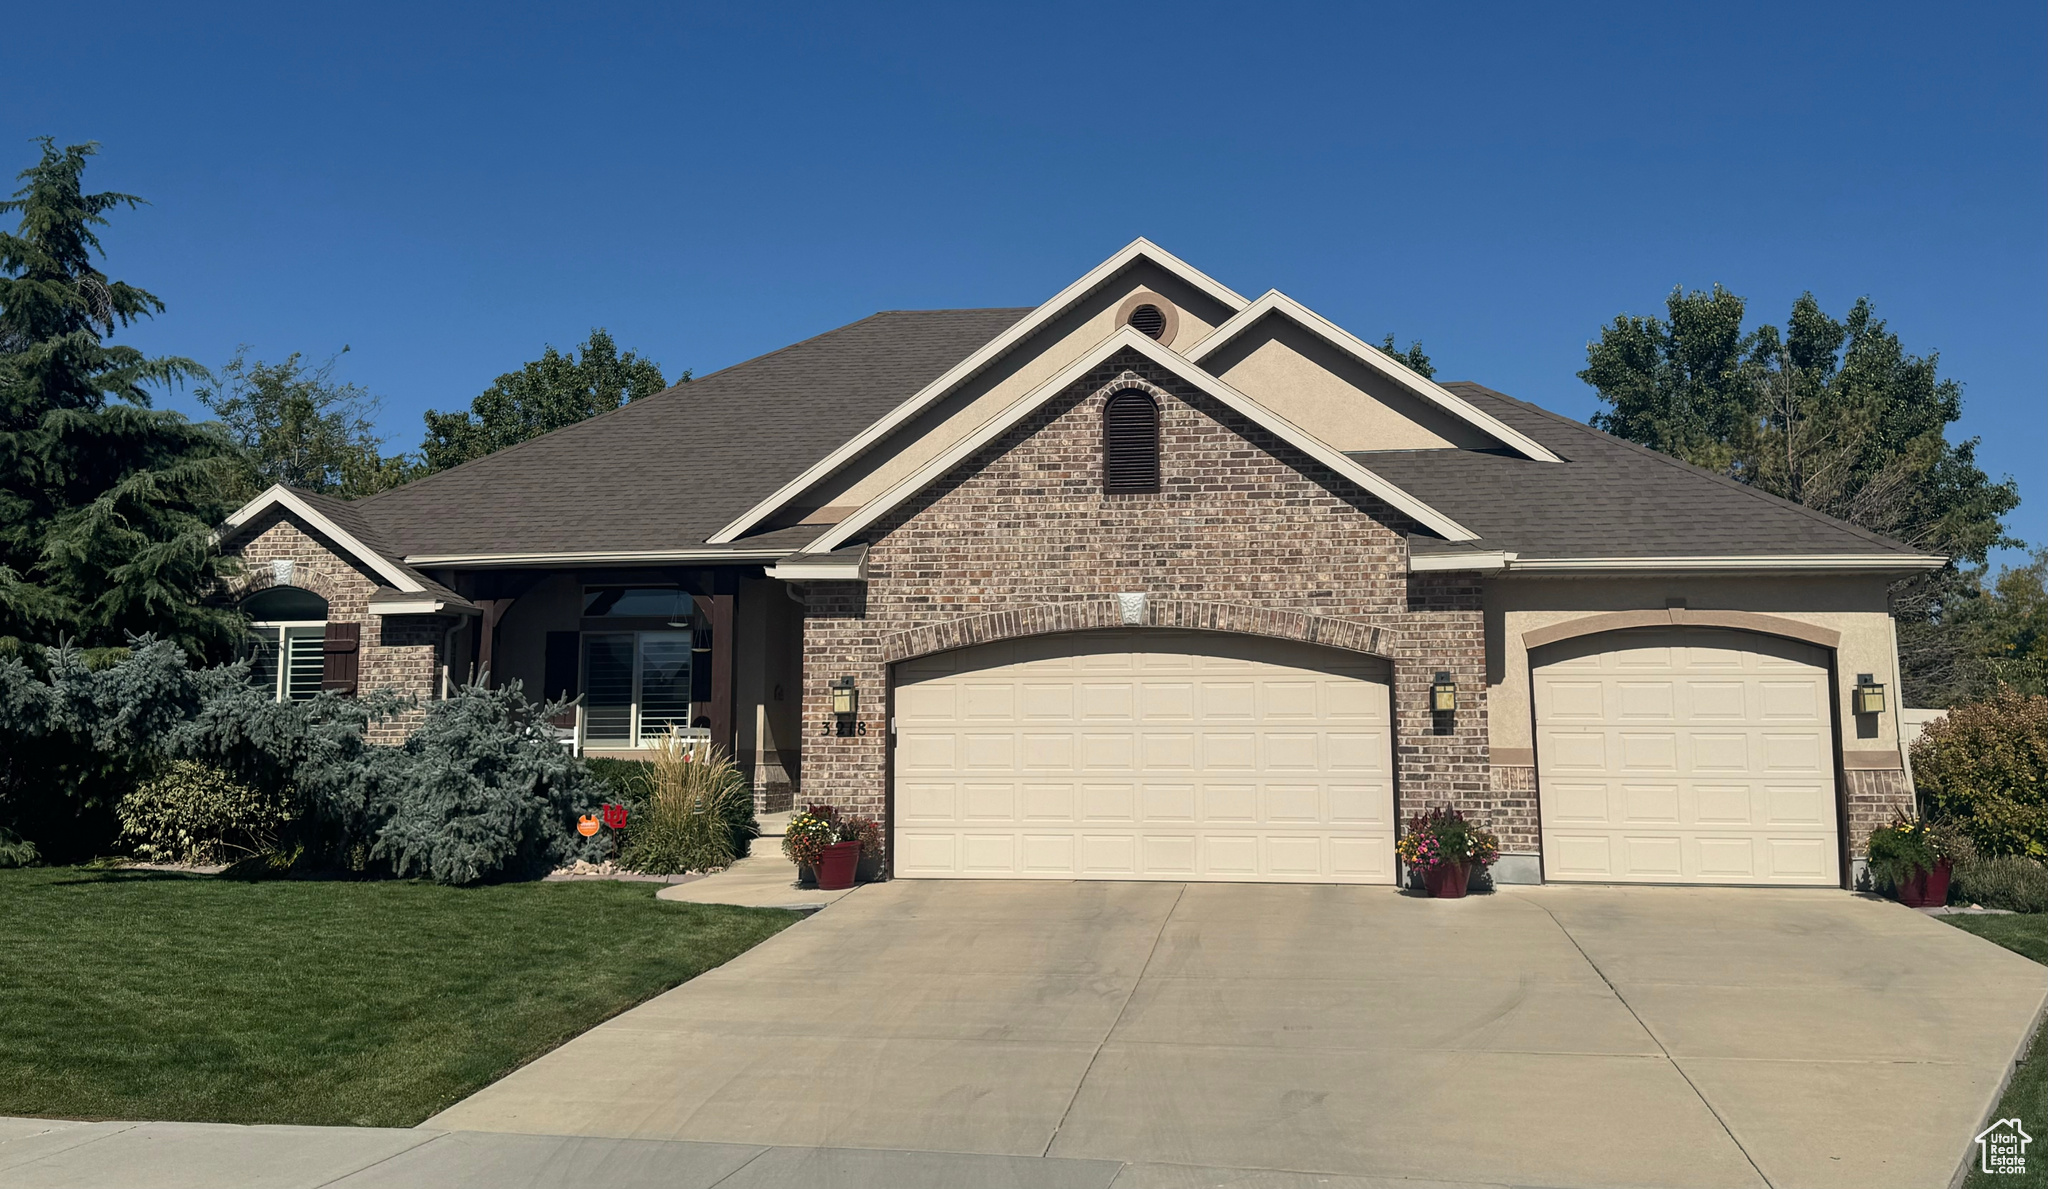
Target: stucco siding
x=1333, y=396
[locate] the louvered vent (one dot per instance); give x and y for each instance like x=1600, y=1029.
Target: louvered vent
x=1130, y=443
x=1149, y=320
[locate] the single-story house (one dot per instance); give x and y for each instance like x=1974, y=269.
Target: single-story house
x=1149, y=581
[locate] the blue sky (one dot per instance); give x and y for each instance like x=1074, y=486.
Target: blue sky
x=447, y=189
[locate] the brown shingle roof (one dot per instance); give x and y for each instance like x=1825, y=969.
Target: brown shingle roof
x=666, y=471
x=1609, y=498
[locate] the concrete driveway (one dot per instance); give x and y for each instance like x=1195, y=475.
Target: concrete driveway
x=1548, y=1036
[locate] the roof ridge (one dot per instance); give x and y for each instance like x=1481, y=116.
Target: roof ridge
x=1670, y=460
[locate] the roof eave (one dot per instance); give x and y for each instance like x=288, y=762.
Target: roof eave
x=1817, y=563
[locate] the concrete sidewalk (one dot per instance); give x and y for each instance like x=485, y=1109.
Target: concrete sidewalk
x=50, y=1154
x=764, y=879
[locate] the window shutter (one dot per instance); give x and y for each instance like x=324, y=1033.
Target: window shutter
x=1130, y=443
x=342, y=649
x=558, y=678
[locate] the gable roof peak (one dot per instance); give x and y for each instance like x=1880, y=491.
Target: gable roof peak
x=1274, y=302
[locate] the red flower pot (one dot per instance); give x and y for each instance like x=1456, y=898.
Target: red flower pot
x=1926, y=889
x=1447, y=881
x=836, y=865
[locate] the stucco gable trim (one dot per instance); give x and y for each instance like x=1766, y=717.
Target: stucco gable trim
x=1279, y=304
x=280, y=496
x=1747, y=621
x=1138, y=249
x=1130, y=339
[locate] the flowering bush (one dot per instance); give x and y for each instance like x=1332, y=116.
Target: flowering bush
x=1442, y=835
x=810, y=831
x=864, y=830
x=1910, y=845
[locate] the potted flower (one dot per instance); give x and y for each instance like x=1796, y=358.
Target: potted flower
x=810, y=831
x=1914, y=857
x=1444, y=848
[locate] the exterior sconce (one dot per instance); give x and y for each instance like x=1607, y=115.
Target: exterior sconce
x=845, y=698
x=1869, y=697
x=1443, y=693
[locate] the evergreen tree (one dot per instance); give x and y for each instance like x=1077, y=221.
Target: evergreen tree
x=298, y=426
x=547, y=394
x=107, y=506
x=1835, y=415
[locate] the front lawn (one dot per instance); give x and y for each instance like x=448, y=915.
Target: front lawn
x=2026, y=1097
x=150, y=995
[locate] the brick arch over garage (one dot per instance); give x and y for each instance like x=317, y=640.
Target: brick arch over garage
x=1039, y=619
x=1747, y=621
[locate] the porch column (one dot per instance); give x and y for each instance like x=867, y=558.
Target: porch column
x=494, y=610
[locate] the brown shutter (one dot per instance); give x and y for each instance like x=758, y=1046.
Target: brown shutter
x=343, y=648
x=1130, y=443
x=558, y=677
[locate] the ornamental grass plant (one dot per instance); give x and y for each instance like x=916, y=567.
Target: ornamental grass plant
x=684, y=819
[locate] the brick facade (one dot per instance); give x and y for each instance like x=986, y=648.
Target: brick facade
x=1870, y=796
x=1515, y=819
x=399, y=652
x=1245, y=535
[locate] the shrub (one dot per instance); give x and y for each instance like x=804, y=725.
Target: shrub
x=684, y=820
x=2002, y=881
x=481, y=788
x=627, y=779
x=1985, y=766
x=1442, y=835
x=191, y=813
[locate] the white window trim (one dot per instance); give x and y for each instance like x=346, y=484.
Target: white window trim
x=281, y=689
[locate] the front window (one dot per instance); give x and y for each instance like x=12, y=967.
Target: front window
x=287, y=638
x=635, y=685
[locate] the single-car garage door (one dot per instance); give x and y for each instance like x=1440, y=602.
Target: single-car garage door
x=1685, y=756
x=1146, y=754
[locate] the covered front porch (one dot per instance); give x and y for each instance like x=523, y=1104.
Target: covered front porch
x=715, y=651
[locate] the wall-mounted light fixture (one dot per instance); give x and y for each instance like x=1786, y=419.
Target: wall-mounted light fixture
x=1443, y=693
x=845, y=698
x=1869, y=697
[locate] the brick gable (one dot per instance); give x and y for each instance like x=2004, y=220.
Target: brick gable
x=1246, y=534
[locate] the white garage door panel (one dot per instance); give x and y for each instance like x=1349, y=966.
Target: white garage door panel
x=1686, y=756
x=1145, y=755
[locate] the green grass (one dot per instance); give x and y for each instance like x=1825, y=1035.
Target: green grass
x=2026, y=1097
x=150, y=995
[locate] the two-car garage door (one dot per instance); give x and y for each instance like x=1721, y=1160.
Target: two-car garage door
x=1686, y=756
x=1148, y=754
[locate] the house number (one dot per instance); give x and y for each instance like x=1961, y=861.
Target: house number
x=844, y=728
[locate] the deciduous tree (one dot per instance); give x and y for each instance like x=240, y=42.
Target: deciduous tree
x=546, y=394
x=299, y=426
x=1835, y=415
